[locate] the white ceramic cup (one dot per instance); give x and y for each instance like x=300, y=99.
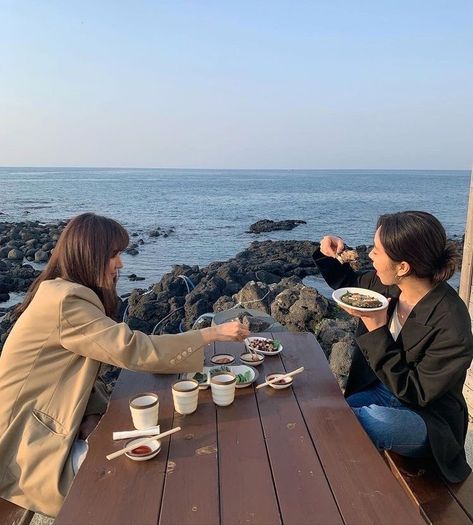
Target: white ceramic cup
x=223, y=388
x=185, y=394
x=144, y=410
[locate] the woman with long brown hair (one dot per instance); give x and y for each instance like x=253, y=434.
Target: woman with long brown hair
x=49, y=364
x=409, y=365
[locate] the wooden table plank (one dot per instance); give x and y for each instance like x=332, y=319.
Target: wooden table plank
x=303, y=491
x=365, y=489
x=247, y=492
x=463, y=493
x=271, y=450
x=191, y=482
x=119, y=491
x=424, y=485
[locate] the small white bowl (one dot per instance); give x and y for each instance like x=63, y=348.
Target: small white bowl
x=155, y=447
x=246, y=358
x=287, y=381
x=222, y=359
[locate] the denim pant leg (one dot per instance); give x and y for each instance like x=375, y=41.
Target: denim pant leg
x=390, y=424
x=370, y=396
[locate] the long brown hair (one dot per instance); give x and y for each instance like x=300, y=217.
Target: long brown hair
x=82, y=256
x=419, y=238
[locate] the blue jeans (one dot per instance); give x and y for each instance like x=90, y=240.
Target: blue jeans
x=389, y=423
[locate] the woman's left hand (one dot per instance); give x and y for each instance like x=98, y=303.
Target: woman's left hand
x=372, y=320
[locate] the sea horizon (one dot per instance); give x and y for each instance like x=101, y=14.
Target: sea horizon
x=211, y=210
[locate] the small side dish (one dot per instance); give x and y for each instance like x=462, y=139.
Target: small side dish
x=222, y=359
x=143, y=452
x=280, y=384
x=252, y=359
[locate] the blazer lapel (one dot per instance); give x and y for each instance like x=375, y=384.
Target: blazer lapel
x=416, y=328
x=412, y=333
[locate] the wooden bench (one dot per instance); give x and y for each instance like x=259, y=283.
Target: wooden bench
x=439, y=502
x=11, y=514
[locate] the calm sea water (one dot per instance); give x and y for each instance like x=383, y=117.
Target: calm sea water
x=212, y=209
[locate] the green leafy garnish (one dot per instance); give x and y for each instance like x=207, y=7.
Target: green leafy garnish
x=244, y=378
x=200, y=377
x=276, y=344
x=218, y=370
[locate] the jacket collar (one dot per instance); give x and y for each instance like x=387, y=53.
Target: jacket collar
x=416, y=328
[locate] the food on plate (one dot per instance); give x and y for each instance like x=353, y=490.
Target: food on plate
x=278, y=382
x=265, y=345
x=200, y=377
x=253, y=357
x=222, y=360
x=360, y=300
x=141, y=450
x=218, y=370
x=240, y=378
x=244, y=378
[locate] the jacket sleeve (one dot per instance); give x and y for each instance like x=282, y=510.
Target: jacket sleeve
x=338, y=275
x=85, y=330
x=444, y=362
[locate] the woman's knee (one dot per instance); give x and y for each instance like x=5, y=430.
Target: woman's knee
x=399, y=430
x=373, y=425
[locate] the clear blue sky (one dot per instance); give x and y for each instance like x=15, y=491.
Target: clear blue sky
x=237, y=84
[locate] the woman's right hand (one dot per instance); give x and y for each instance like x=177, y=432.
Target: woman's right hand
x=232, y=331
x=331, y=245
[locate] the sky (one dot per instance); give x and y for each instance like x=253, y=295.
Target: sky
x=237, y=84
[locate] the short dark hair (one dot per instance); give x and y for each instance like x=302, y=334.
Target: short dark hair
x=419, y=238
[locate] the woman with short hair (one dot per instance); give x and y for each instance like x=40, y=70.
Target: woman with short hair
x=409, y=366
x=50, y=361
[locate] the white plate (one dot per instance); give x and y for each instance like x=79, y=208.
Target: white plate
x=238, y=369
x=264, y=352
x=337, y=294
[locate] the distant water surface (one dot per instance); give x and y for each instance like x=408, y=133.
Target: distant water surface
x=212, y=209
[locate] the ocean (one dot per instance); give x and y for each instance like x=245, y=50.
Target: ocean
x=211, y=210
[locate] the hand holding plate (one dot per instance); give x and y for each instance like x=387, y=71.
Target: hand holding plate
x=371, y=319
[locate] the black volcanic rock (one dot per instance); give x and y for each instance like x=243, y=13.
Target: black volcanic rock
x=267, y=225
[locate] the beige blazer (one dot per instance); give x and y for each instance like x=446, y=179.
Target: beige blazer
x=48, y=368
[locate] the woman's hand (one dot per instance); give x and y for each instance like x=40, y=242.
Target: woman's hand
x=372, y=320
x=331, y=246
x=232, y=331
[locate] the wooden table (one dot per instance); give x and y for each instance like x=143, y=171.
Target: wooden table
x=294, y=456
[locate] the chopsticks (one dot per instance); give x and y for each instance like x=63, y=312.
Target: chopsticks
x=127, y=434
x=143, y=442
x=279, y=377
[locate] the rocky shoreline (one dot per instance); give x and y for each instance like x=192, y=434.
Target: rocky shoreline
x=266, y=276
x=34, y=241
